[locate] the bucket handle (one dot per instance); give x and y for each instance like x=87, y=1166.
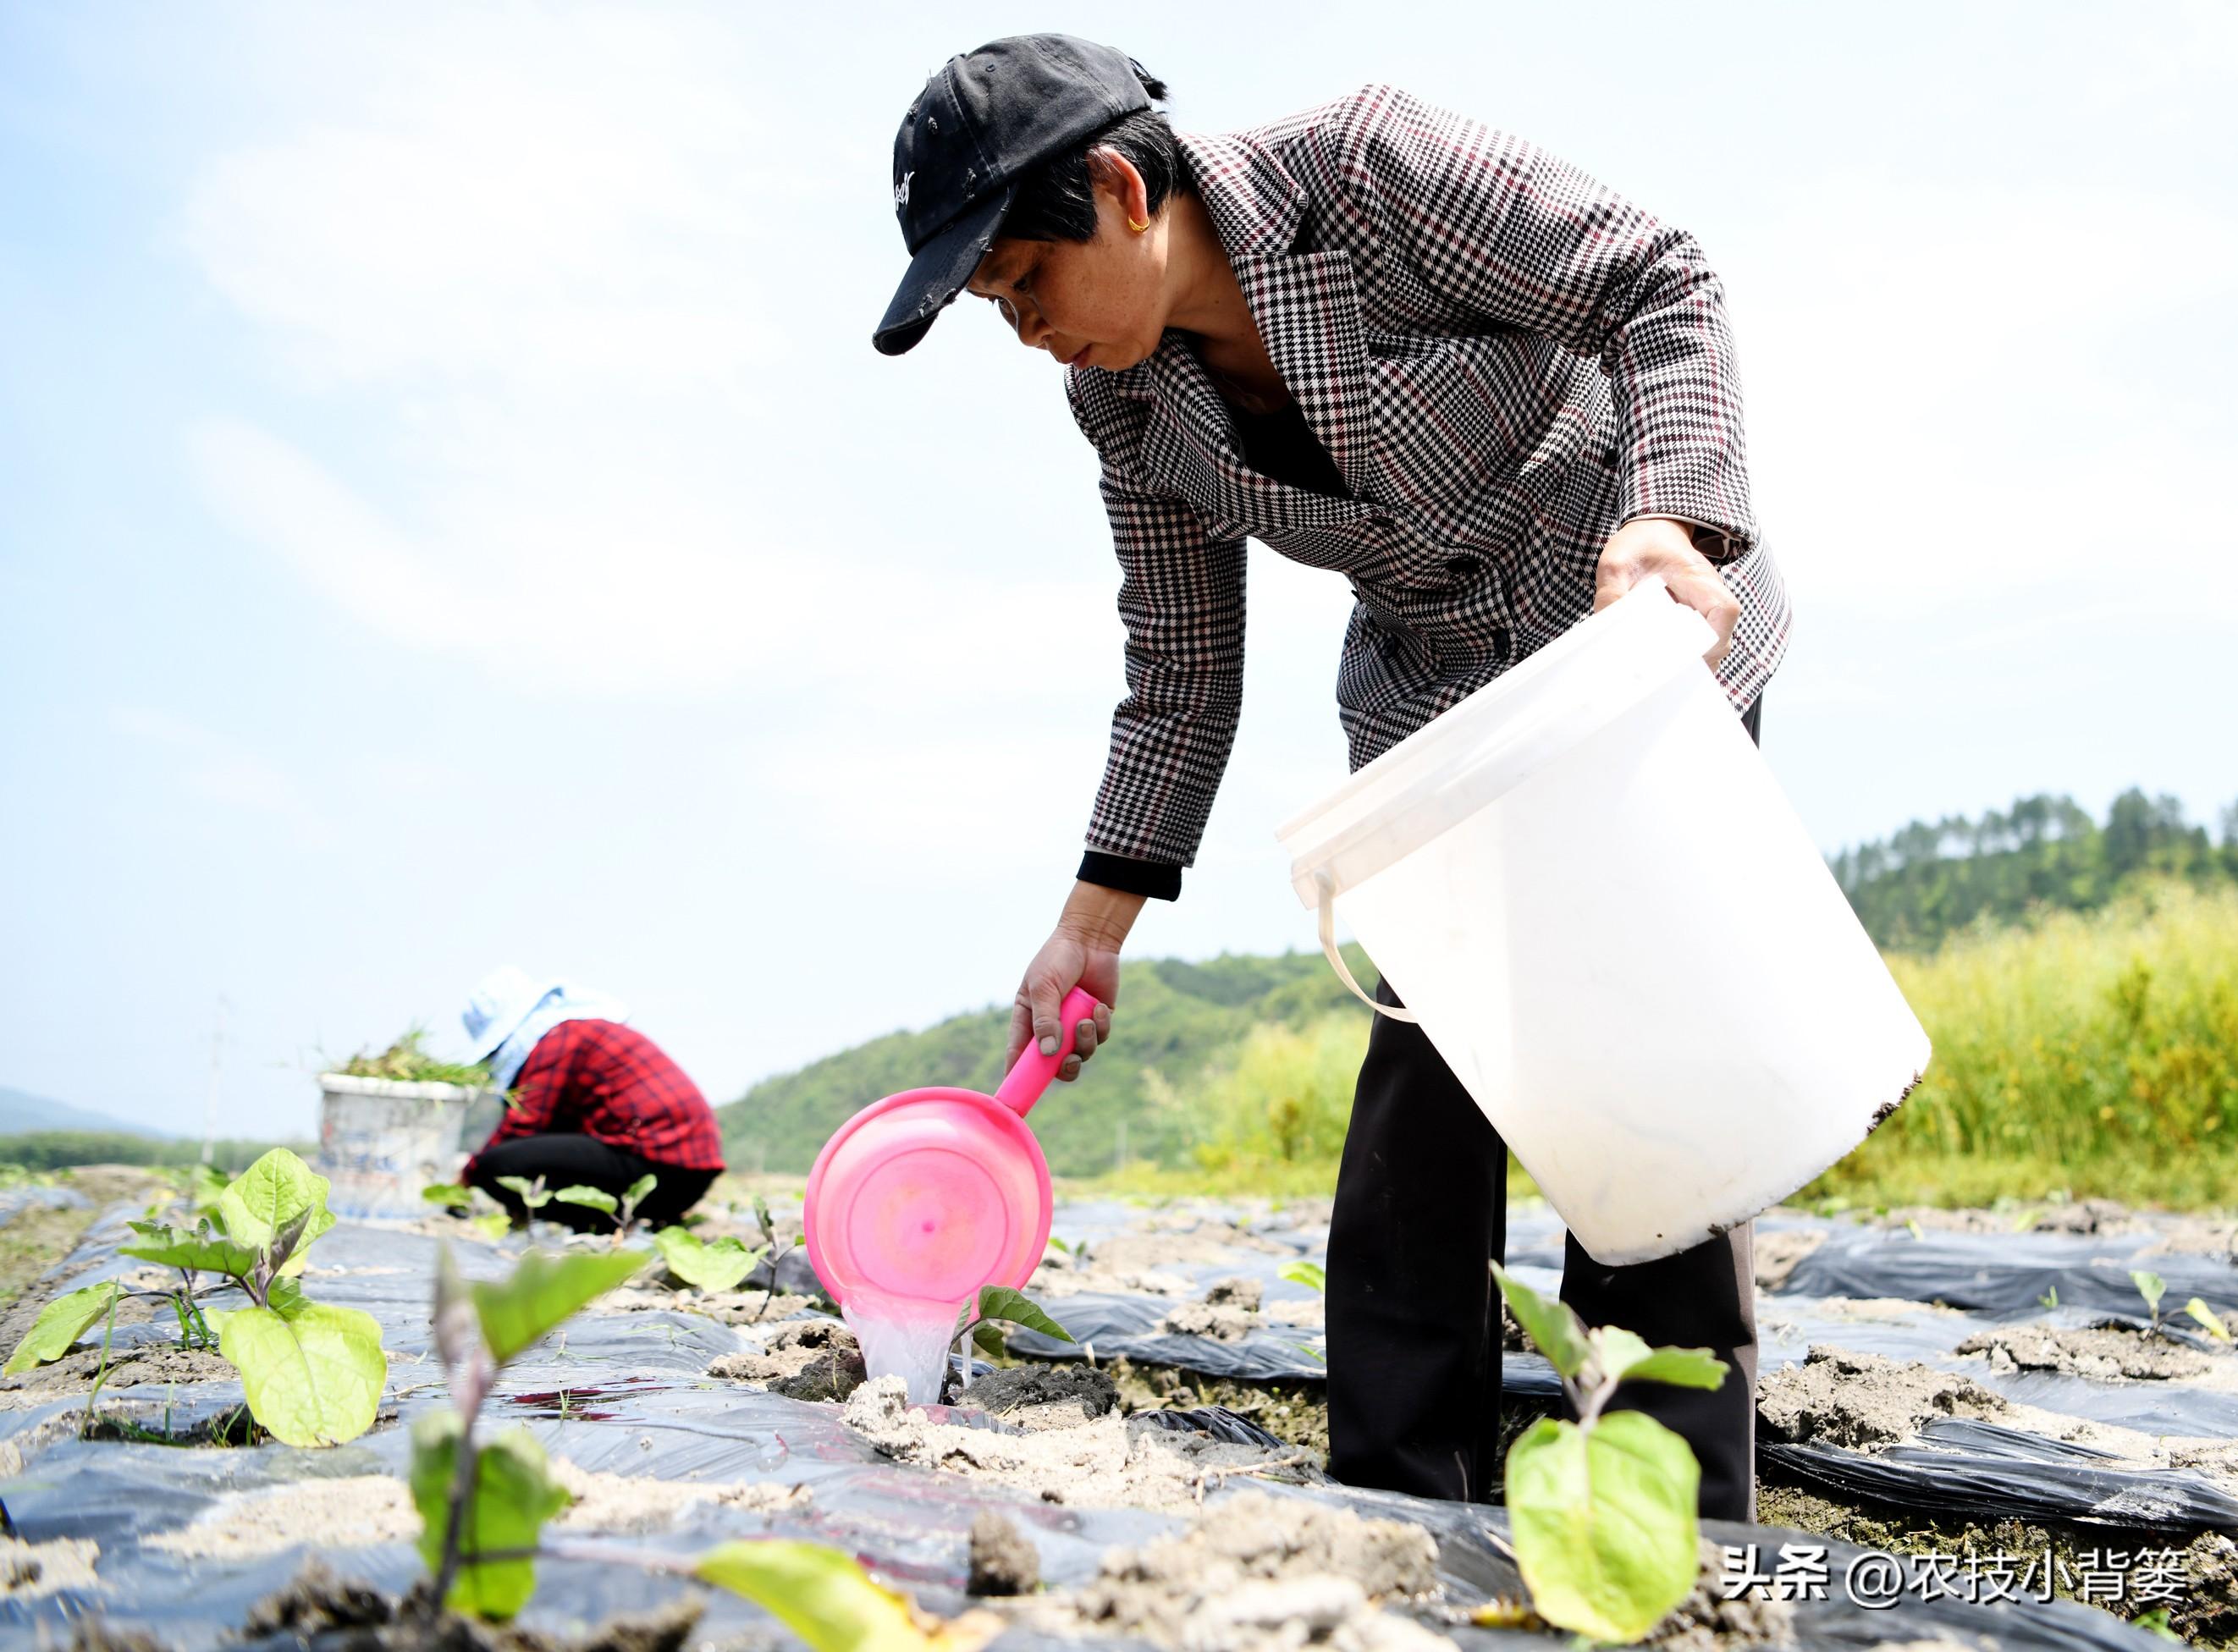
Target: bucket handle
x=1327, y=891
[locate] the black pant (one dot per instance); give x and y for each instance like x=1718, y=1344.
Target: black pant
x=1414, y=1312
x=584, y=1162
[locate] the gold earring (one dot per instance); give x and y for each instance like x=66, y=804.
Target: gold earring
x=1138, y=228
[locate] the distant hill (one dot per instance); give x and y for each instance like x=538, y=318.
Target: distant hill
x=1914, y=888
x=1175, y=1020
x=21, y=1111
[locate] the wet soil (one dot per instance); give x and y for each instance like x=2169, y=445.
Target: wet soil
x=318, y=1602
x=815, y=1360
x=1040, y=1397
x=1253, y=1573
x=1295, y=1413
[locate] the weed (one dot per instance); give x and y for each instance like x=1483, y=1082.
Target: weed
x=406, y=1061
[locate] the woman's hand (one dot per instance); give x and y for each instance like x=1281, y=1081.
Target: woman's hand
x=1082, y=951
x=1659, y=545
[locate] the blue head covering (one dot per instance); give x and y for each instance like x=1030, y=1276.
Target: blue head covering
x=510, y=1009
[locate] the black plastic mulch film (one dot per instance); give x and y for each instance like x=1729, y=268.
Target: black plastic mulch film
x=638, y=1405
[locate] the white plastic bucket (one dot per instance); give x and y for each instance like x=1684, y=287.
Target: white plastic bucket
x=382, y=1141
x=1588, y=887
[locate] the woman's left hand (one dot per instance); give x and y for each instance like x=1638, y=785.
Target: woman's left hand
x=1657, y=544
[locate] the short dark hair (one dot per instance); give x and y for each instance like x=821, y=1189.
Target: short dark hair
x=1056, y=200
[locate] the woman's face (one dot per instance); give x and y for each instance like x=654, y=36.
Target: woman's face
x=1097, y=303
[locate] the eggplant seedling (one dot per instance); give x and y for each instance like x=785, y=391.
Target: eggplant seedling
x=483, y=1504
x=2152, y=1287
x=622, y=1210
x=998, y=1304
x=2209, y=1321
x=1603, y=1508
x=312, y=1373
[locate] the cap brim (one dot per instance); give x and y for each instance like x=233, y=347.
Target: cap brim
x=937, y=274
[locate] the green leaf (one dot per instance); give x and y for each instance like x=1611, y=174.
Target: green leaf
x=1000, y=1302
x=589, y=1198
x=1554, y=1328
x=718, y=1266
x=449, y=1194
x=59, y=1325
x=270, y=1194
x=1312, y=1275
x=206, y=1185
x=198, y=1248
x=821, y=1594
x=514, y=1494
x=1604, y=1523
x=2197, y=1309
x=1625, y=1357
x=634, y=1195
x=312, y=1372
x=494, y=1226
x=543, y=1292
x=2150, y=1287
x=532, y=1196
x=988, y=1340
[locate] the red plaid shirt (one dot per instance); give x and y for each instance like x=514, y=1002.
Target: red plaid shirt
x=610, y=1082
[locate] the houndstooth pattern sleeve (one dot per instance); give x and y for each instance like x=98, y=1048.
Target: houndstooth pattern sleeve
x=1181, y=596
x=1496, y=229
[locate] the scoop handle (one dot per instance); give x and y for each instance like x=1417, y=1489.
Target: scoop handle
x=1022, y=1085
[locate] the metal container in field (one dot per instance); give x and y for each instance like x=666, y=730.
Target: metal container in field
x=381, y=1141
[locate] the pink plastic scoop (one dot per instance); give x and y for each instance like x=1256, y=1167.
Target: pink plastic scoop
x=930, y=1194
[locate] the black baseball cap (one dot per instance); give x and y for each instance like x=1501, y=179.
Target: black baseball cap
x=985, y=118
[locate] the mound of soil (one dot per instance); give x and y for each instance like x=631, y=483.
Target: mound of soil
x=1253, y=1572
x=1296, y=1413
x=1110, y=1462
x=2109, y=1353
x=1038, y=1396
x=157, y=1363
x=1003, y=1559
x=1864, y=1401
x=1776, y=1251
x=28, y=1570
x=1706, y=1621
x=802, y=1359
x=317, y=1602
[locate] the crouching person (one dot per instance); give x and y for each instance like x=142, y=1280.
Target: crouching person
x=595, y=1104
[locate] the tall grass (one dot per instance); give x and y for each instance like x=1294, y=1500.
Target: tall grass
x=2096, y=1053
x=2091, y=1054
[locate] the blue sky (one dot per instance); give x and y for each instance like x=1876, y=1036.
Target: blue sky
x=453, y=513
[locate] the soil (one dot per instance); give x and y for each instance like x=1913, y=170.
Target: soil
x=355, y=1512
x=157, y=1364
x=318, y=1602
x=1839, y=1397
x=28, y=1570
x=1253, y=1572
x=1110, y=1462
x=1221, y=1322
x=1038, y=1396
x=1295, y=1413
x=2206, y=1615
x=1776, y=1251
x=2104, y=1351
x=1706, y=1621
x=621, y=1503
x=1004, y=1560
x=802, y=1359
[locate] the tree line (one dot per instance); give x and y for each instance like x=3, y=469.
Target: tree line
x=1914, y=888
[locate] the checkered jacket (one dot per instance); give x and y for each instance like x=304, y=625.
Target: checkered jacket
x=613, y=1084
x=1506, y=361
